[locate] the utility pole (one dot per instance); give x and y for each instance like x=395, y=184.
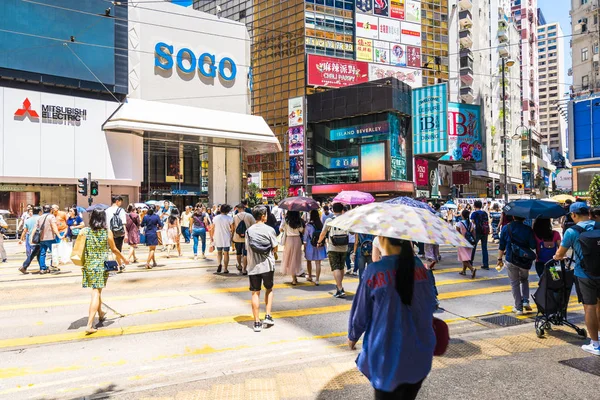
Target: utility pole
x=90, y=198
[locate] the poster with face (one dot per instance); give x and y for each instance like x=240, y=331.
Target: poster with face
x=398, y=55
x=413, y=56
x=382, y=52
x=381, y=7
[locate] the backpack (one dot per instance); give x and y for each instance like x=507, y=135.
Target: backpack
x=314, y=239
x=590, y=249
x=546, y=254
x=366, y=245
x=468, y=234
x=339, y=239
x=522, y=256
x=241, y=228
x=259, y=245
x=116, y=225
x=482, y=225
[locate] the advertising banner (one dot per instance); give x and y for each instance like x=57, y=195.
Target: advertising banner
x=343, y=162
x=411, y=77
x=526, y=179
x=381, y=7
x=381, y=52
x=367, y=26
x=464, y=133
x=254, y=177
x=413, y=56
x=398, y=171
x=336, y=72
x=364, y=49
x=373, y=162
x=296, y=141
x=296, y=111
x=375, y=128
x=411, y=34
x=461, y=177
x=398, y=55
x=421, y=172
x=297, y=170
x=365, y=6
x=564, y=180
x=413, y=11
x=397, y=9
x=389, y=30
x=430, y=119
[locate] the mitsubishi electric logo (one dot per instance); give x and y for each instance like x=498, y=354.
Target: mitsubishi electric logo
x=52, y=114
x=26, y=111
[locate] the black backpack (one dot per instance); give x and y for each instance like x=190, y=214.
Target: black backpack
x=314, y=239
x=366, y=245
x=468, y=234
x=339, y=239
x=241, y=228
x=116, y=225
x=590, y=249
x=522, y=256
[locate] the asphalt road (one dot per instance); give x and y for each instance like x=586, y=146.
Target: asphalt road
x=180, y=331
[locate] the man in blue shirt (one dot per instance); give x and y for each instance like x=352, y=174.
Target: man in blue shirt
x=588, y=288
x=519, y=233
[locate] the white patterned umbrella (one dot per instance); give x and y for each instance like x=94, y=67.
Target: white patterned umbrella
x=401, y=222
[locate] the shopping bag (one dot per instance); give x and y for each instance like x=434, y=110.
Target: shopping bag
x=78, y=252
x=64, y=251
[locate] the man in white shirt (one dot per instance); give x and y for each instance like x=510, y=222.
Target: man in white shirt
x=120, y=234
x=337, y=246
x=185, y=223
x=222, y=234
x=278, y=214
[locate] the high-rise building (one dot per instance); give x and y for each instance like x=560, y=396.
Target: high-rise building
x=553, y=93
x=584, y=46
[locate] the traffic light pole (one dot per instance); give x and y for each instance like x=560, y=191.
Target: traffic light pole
x=90, y=198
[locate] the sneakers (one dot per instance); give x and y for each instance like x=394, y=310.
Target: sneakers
x=339, y=294
x=4, y=260
x=268, y=321
x=517, y=311
x=527, y=306
x=590, y=348
x=257, y=327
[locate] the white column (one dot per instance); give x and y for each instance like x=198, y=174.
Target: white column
x=234, y=177
x=217, y=175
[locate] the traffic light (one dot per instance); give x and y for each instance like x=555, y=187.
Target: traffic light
x=497, y=190
x=488, y=190
x=82, y=186
x=94, y=188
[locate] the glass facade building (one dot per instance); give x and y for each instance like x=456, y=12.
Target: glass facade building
x=434, y=35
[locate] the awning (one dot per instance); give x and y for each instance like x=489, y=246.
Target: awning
x=214, y=127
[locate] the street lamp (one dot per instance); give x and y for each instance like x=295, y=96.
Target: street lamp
x=530, y=143
x=506, y=62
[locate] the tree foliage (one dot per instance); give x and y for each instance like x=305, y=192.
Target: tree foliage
x=253, y=191
x=595, y=191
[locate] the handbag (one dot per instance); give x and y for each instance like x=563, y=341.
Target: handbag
x=283, y=236
x=36, y=239
x=442, y=337
x=110, y=265
x=78, y=252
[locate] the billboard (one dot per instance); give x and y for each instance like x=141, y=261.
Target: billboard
x=430, y=121
x=389, y=30
x=373, y=162
x=296, y=141
x=335, y=72
x=35, y=41
x=367, y=26
x=381, y=7
x=464, y=133
x=412, y=11
x=413, y=56
x=564, y=179
x=351, y=132
x=411, y=34
x=381, y=52
x=297, y=170
x=296, y=111
x=584, y=131
x=364, y=49
x=365, y=6
x=411, y=77
x=343, y=162
x=421, y=172
x=397, y=9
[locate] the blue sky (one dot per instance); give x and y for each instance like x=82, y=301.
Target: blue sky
x=558, y=11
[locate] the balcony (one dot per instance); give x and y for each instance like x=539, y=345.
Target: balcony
x=503, y=21
x=466, y=70
x=503, y=51
x=466, y=39
x=465, y=19
x=465, y=4
x=466, y=53
x=467, y=94
x=502, y=36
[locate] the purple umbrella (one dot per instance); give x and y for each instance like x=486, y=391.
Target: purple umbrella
x=353, y=197
x=408, y=201
x=298, y=203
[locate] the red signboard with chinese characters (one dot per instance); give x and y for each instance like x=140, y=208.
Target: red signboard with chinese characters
x=461, y=177
x=336, y=72
x=421, y=172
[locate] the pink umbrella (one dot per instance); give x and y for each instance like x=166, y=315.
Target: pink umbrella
x=353, y=197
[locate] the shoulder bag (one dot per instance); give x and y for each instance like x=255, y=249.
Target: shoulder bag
x=36, y=239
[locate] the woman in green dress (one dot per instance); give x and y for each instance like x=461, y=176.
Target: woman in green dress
x=99, y=241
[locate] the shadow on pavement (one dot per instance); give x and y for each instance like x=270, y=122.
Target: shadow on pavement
x=350, y=384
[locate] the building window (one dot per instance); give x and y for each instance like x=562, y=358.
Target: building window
x=541, y=43
x=584, y=2
x=551, y=47
x=595, y=48
x=584, y=54
x=551, y=34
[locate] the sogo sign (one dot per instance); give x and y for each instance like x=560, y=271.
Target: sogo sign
x=206, y=62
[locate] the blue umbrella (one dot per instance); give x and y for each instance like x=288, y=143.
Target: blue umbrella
x=532, y=209
x=409, y=201
x=81, y=210
x=97, y=207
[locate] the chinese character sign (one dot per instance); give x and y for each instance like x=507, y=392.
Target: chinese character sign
x=421, y=172
x=397, y=9
x=336, y=72
x=343, y=162
x=364, y=49
x=429, y=119
x=296, y=141
x=464, y=133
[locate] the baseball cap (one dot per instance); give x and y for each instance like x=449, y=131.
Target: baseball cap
x=579, y=207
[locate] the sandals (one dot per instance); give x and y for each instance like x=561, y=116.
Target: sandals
x=294, y=283
x=148, y=266
x=473, y=273
x=90, y=331
x=102, y=317
x=463, y=273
